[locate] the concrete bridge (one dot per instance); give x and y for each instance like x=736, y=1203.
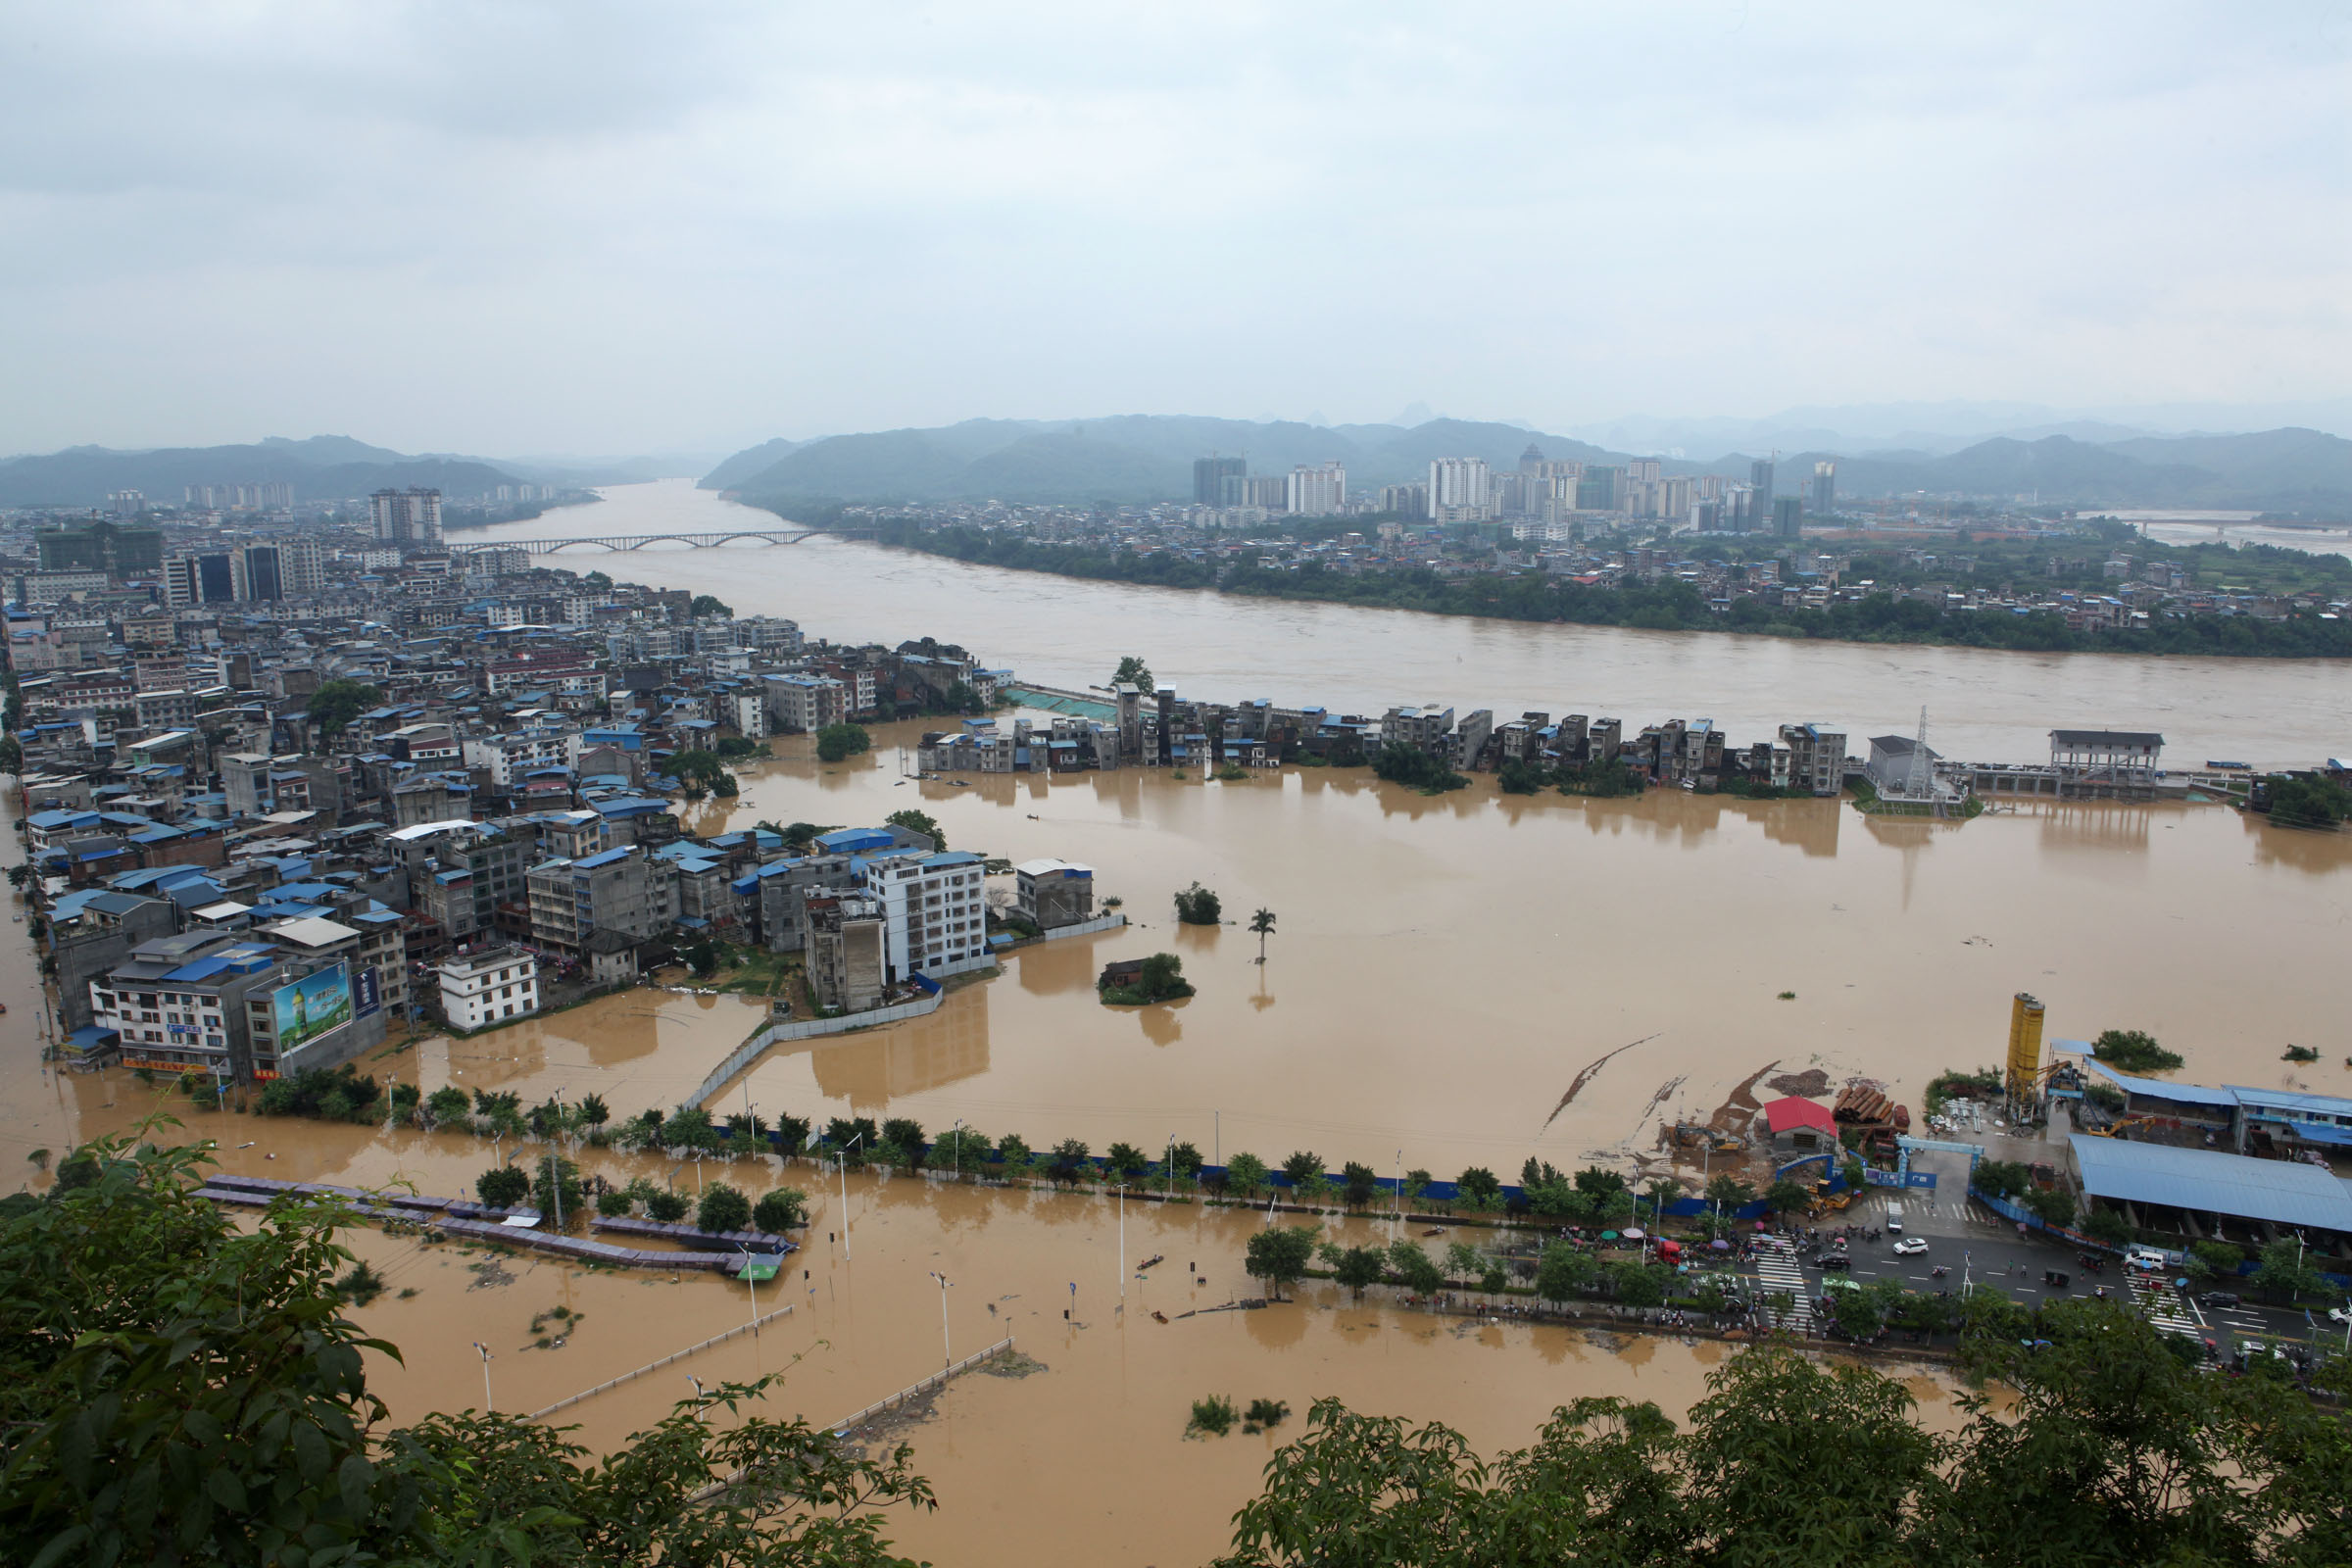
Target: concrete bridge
x=638, y=541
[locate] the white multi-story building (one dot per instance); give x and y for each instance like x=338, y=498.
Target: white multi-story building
x=935, y=911
x=411, y=517
x=489, y=987
x=510, y=756
x=1460, y=490
x=804, y=703
x=1319, y=490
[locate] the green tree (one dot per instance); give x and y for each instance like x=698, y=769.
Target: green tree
x=1279, y=1254
x=839, y=742
x=1563, y=1273
x=598, y=579
x=722, y=1209
x=1478, y=1186
x=1072, y=1161
x=1012, y=1153
x=1125, y=1162
x=182, y=1389
x=1303, y=1168
x=1414, y=1268
x=666, y=1205
x=1359, y=1268
x=1463, y=1261
x=1245, y=1175
x=1413, y=766
x=1729, y=1194
x=709, y=605
x=1636, y=1284
x=1132, y=671
x=2133, y=1050
x=1261, y=926
x=548, y=1170
x=915, y=821
x=2316, y=802
x=2283, y=1272
x=2052, y=1205
x=1787, y=1198
x=1162, y=978
x=501, y=1187
x=782, y=1209
x=615, y=1202
x=1358, y=1184
x=1197, y=905
x=446, y=1104
x=336, y=703
x=2106, y=1225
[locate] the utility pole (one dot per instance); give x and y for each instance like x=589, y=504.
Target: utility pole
x=946, y=1352
x=845, y=1196
x=488, y=1408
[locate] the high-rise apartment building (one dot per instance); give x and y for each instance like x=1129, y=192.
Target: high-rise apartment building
x=1825, y=488
x=1460, y=490
x=264, y=573
x=1209, y=477
x=1788, y=518
x=1759, y=504
x=1319, y=490
x=411, y=517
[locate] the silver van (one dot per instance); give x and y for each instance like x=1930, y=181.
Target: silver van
x=1894, y=1219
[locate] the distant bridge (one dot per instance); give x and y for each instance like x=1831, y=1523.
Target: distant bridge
x=638, y=541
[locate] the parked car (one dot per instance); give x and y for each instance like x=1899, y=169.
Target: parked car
x=1910, y=1247
x=2338, y=1314
x=2218, y=1299
x=1832, y=1260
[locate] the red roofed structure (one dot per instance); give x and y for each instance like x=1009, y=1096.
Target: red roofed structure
x=1799, y=1123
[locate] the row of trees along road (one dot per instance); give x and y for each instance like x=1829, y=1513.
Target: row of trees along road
x=180, y=1390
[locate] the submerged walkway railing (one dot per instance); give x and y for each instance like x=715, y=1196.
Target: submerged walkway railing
x=670, y=1360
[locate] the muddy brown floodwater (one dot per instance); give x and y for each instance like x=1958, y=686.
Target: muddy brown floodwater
x=1442, y=973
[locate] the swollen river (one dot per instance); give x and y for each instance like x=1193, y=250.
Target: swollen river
x=1442, y=973
x=1982, y=706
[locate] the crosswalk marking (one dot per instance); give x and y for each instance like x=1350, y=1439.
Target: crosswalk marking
x=1776, y=1271
x=2163, y=1307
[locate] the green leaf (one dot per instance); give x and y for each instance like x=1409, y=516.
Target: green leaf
x=309, y=1453
x=226, y=1489
x=353, y=1478
x=61, y=1543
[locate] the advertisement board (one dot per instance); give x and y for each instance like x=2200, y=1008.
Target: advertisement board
x=368, y=988
x=311, y=1007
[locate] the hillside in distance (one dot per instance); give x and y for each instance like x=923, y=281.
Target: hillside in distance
x=1126, y=457
x=1148, y=458
x=324, y=467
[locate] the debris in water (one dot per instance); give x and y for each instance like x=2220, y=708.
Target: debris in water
x=1587, y=1076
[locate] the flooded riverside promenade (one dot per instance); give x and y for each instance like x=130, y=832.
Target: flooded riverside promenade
x=1443, y=973
x=1982, y=706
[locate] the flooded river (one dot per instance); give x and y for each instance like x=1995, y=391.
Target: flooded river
x=1982, y=706
x=1443, y=973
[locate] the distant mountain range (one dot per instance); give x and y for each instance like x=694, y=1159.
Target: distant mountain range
x=1146, y=458
x=321, y=467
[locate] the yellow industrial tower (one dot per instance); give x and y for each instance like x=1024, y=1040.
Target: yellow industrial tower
x=2025, y=1046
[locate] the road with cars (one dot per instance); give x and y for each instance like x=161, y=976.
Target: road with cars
x=1981, y=1251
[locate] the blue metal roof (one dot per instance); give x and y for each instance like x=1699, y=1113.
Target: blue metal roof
x=2283, y=1192
x=2184, y=1094
x=591, y=861
x=2288, y=1100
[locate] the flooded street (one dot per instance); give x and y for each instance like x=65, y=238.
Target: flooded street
x=1459, y=980
x=1982, y=706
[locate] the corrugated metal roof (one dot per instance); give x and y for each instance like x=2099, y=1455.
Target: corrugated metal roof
x=2289, y=1099
x=2186, y=1094
x=2283, y=1192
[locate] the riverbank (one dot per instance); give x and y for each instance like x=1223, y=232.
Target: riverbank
x=1532, y=594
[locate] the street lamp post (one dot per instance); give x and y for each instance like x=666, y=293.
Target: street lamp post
x=845, y=1194
x=1122, y=1240
x=957, y=1131
x=488, y=1406
x=946, y=1352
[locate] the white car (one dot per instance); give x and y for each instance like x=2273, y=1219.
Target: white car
x=2338, y=1314
x=1910, y=1247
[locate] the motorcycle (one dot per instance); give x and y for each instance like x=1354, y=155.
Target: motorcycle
x=1937, y=1272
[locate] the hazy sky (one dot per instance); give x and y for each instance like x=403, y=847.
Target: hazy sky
x=574, y=228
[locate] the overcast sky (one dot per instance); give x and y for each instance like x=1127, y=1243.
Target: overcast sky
x=571, y=227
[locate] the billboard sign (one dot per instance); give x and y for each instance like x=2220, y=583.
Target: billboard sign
x=368, y=988
x=313, y=1006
